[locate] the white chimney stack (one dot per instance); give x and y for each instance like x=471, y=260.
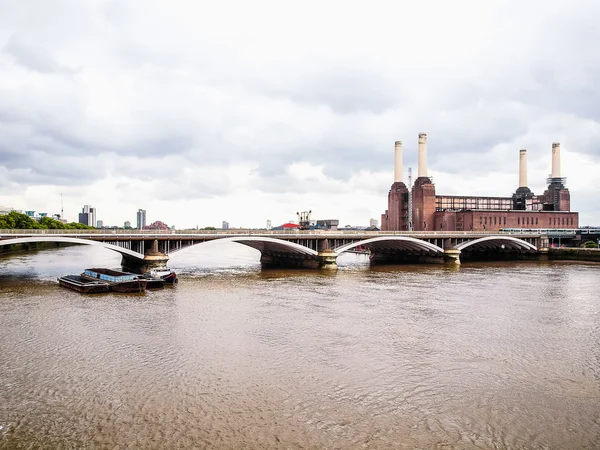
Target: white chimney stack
x=398, y=162
x=556, y=160
x=522, y=168
x=422, y=160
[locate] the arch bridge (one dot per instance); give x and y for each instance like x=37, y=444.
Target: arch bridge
x=141, y=250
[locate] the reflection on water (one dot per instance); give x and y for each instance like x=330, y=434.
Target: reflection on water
x=496, y=355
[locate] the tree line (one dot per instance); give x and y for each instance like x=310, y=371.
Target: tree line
x=18, y=221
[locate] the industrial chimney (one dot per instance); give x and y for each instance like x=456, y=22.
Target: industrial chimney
x=523, y=193
x=555, y=160
x=398, y=162
x=522, y=168
x=422, y=159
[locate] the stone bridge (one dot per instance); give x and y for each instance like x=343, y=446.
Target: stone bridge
x=301, y=249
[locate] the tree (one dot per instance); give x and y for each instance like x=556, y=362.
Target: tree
x=51, y=224
x=18, y=221
x=15, y=220
x=77, y=226
x=590, y=244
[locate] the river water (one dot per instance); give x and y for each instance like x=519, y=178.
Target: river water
x=498, y=355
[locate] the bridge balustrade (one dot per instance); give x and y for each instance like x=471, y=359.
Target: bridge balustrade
x=261, y=232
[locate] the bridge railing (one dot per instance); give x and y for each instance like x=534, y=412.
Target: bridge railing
x=262, y=232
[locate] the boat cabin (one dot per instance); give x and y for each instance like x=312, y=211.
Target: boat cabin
x=112, y=276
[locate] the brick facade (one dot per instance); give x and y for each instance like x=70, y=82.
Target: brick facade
x=398, y=207
x=427, y=215
x=489, y=220
x=423, y=204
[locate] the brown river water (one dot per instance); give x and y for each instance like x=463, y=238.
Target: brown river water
x=485, y=355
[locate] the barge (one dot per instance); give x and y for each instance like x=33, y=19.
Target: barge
x=167, y=275
x=80, y=284
x=117, y=281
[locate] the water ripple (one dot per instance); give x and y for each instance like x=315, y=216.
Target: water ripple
x=487, y=356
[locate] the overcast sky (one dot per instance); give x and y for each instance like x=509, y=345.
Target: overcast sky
x=201, y=112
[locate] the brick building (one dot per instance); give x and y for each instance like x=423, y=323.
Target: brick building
x=431, y=212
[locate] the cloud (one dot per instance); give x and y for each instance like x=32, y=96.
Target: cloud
x=32, y=58
x=249, y=111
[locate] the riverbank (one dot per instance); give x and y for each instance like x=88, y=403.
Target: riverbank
x=577, y=254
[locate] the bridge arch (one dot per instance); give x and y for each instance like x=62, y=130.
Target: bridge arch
x=69, y=240
x=392, y=243
x=496, y=242
x=262, y=244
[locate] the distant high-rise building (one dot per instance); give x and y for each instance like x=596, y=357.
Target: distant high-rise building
x=373, y=223
x=87, y=216
x=141, y=219
x=269, y=226
x=127, y=224
x=225, y=225
x=99, y=224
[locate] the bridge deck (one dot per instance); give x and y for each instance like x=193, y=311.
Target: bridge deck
x=295, y=234
x=290, y=247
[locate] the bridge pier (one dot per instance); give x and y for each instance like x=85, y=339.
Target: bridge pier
x=323, y=261
x=452, y=256
x=278, y=261
x=136, y=265
x=152, y=259
x=327, y=260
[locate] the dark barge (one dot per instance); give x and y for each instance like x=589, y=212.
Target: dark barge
x=117, y=281
x=79, y=284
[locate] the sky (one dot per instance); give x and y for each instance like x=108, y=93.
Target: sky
x=201, y=112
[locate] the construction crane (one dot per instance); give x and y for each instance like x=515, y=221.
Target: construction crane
x=304, y=219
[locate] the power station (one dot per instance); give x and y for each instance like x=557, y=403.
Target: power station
x=422, y=210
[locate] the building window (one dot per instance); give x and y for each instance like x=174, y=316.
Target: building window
x=485, y=221
x=571, y=221
x=528, y=221
x=480, y=220
x=494, y=220
x=536, y=220
x=518, y=221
